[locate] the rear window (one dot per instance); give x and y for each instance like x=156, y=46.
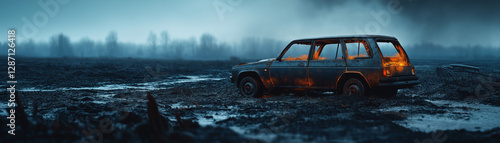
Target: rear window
x=388, y=49
x=392, y=53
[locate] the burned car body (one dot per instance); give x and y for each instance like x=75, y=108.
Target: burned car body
x=353, y=65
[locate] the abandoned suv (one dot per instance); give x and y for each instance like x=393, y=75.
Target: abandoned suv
x=351, y=65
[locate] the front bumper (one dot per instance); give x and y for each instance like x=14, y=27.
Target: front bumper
x=398, y=82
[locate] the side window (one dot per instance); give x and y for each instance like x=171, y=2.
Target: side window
x=297, y=52
x=327, y=50
x=357, y=49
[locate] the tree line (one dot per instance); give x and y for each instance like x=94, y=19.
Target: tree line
x=158, y=46
x=207, y=47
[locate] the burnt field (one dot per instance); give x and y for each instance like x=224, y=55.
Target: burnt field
x=138, y=100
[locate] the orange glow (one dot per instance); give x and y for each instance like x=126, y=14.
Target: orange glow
x=268, y=82
x=291, y=58
x=357, y=56
x=303, y=82
x=395, y=60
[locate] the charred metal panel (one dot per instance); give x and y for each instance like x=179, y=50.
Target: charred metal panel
x=371, y=74
x=289, y=73
x=260, y=68
x=324, y=73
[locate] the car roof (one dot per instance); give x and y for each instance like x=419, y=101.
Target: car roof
x=347, y=36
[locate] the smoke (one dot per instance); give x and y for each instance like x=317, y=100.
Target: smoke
x=454, y=22
x=261, y=29
x=443, y=22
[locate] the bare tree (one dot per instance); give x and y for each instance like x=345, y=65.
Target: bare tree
x=164, y=39
x=61, y=46
x=112, y=44
x=86, y=47
x=207, y=46
x=152, y=42
x=29, y=48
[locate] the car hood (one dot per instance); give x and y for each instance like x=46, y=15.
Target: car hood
x=260, y=62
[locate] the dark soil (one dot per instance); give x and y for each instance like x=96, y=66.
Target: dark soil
x=137, y=100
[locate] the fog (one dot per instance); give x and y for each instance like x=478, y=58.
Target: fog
x=244, y=29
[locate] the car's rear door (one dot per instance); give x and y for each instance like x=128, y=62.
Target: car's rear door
x=290, y=68
x=326, y=64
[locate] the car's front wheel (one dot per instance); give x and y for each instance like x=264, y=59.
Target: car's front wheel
x=354, y=87
x=251, y=87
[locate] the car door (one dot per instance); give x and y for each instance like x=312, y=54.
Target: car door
x=326, y=64
x=290, y=68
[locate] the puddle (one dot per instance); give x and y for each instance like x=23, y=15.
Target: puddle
x=214, y=116
x=31, y=89
x=51, y=115
x=181, y=105
x=209, y=117
x=394, y=109
x=139, y=86
x=191, y=79
x=99, y=102
x=266, y=135
x=3, y=109
x=109, y=87
x=468, y=116
x=106, y=95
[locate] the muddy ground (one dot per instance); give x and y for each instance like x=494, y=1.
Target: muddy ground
x=137, y=100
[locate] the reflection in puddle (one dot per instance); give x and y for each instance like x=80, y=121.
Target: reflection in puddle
x=99, y=102
x=32, y=89
x=212, y=117
x=138, y=86
x=471, y=117
x=52, y=114
x=208, y=117
x=3, y=109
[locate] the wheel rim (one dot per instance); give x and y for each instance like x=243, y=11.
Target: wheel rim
x=354, y=89
x=248, y=88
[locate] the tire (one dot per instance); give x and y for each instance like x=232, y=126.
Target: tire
x=251, y=87
x=391, y=92
x=354, y=87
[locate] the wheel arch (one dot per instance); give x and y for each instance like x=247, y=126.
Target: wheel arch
x=243, y=74
x=348, y=75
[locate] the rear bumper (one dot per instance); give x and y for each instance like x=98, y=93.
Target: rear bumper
x=398, y=82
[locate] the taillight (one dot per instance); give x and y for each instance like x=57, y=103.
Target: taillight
x=387, y=71
x=412, y=70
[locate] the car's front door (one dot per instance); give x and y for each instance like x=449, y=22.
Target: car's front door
x=290, y=68
x=327, y=63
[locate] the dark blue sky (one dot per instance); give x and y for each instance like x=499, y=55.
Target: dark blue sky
x=448, y=22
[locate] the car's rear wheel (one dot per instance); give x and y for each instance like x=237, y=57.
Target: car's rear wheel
x=354, y=87
x=251, y=87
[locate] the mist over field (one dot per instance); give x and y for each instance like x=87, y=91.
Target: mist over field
x=243, y=29
x=206, y=47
